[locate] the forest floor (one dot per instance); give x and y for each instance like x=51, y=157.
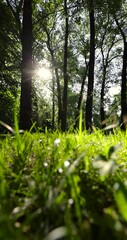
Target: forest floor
x=70, y=186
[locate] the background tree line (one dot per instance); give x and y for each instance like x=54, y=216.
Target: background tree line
x=85, y=46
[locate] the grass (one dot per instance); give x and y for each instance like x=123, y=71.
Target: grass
x=63, y=186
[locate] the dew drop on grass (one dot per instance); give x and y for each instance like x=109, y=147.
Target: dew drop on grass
x=45, y=164
x=60, y=170
x=116, y=186
x=56, y=142
x=66, y=164
x=70, y=201
x=16, y=210
x=17, y=224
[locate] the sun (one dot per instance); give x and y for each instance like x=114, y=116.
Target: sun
x=43, y=79
x=43, y=73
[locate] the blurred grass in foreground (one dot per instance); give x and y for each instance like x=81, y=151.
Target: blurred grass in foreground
x=63, y=186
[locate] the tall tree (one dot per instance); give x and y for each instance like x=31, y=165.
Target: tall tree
x=24, y=29
x=65, y=72
x=26, y=79
x=89, y=100
x=107, y=42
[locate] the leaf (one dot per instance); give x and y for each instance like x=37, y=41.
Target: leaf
x=7, y=127
x=112, y=126
x=104, y=167
x=57, y=233
x=121, y=199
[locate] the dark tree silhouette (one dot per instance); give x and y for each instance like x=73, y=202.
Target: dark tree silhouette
x=26, y=79
x=65, y=90
x=89, y=100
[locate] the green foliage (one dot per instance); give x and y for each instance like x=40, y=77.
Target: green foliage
x=121, y=198
x=9, y=64
x=7, y=100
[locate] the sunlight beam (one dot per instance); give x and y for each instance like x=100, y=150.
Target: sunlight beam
x=43, y=73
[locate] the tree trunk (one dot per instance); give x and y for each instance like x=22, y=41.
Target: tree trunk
x=124, y=90
x=53, y=101
x=59, y=96
x=26, y=74
x=80, y=99
x=89, y=100
x=65, y=90
x=102, y=111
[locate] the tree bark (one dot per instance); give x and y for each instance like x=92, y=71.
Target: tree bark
x=53, y=101
x=102, y=111
x=80, y=99
x=124, y=90
x=65, y=90
x=89, y=100
x=26, y=74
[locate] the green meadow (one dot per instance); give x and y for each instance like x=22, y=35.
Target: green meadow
x=69, y=186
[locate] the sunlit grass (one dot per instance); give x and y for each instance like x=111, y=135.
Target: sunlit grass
x=63, y=185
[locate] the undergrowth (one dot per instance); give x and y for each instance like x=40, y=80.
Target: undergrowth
x=63, y=186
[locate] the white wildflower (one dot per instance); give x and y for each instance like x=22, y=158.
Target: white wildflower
x=57, y=142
